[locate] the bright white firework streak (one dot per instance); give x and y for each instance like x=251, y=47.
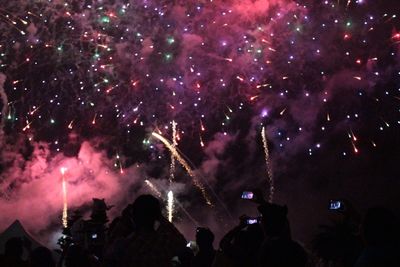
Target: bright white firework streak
x=65, y=203
x=170, y=205
x=185, y=165
x=268, y=164
x=158, y=193
x=153, y=188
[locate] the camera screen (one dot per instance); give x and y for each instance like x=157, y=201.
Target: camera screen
x=252, y=221
x=247, y=195
x=335, y=205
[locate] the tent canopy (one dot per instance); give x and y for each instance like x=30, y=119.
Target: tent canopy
x=16, y=230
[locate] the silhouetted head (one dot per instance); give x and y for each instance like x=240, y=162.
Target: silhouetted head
x=76, y=256
x=282, y=253
x=42, y=257
x=127, y=212
x=380, y=227
x=250, y=238
x=204, y=238
x=145, y=211
x=274, y=219
x=14, y=248
x=246, y=245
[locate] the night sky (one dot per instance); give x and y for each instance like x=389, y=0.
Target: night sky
x=297, y=98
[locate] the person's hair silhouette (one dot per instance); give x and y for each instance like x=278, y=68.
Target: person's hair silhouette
x=145, y=211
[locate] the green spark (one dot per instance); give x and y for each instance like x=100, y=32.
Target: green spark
x=168, y=56
x=105, y=19
x=170, y=40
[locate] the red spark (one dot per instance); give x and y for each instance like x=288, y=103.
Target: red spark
x=134, y=83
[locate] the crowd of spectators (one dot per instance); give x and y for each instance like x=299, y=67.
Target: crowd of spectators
x=142, y=237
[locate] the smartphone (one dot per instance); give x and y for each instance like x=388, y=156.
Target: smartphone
x=336, y=205
x=247, y=195
x=252, y=221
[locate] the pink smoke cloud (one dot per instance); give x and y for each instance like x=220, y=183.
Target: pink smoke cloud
x=32, y=189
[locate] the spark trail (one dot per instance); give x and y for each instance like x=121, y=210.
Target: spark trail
x=185, y=165
x=170, y=206
x=4, y=109
x=153, y=188
x=174, y=144
x=268, y=165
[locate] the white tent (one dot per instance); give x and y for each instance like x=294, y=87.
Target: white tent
x=16, y=230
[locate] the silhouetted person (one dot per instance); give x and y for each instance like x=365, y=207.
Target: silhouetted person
x=13, y=251
x=240, y=246
x=274, y=221
x=381, y=234
x=146, y=210
x=206, y=254
x=41, y=257
x=154, y=240
x=278, y=249
x=338, y=244
x=77, y=256
x=121, y=226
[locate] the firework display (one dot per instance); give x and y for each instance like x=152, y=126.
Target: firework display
x=128, y=76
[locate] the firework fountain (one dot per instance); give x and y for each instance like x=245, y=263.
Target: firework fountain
x=65, y=200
